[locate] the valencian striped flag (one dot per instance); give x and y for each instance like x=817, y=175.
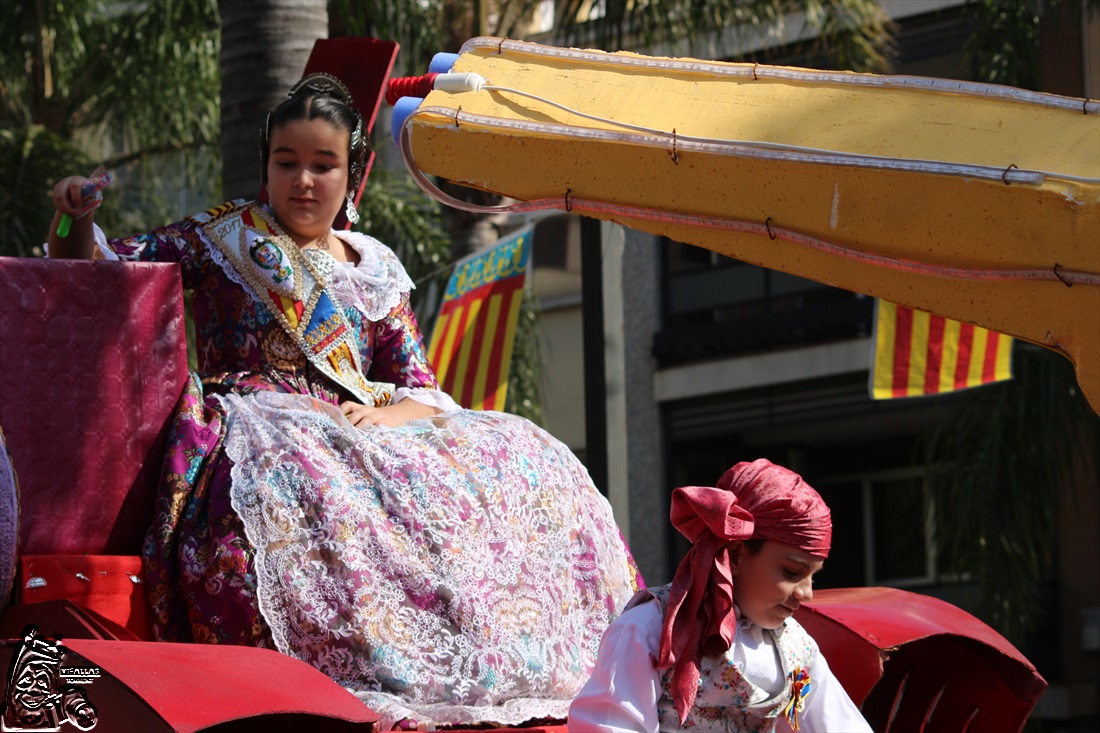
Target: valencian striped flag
x=917, y=353
x=471, y=346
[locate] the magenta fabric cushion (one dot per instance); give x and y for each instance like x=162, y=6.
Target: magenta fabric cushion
x=94, y=358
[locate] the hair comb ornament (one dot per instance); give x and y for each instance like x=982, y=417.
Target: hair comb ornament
x=322, y=85
x=357, y=133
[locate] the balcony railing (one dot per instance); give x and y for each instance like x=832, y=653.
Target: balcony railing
x=734, y=309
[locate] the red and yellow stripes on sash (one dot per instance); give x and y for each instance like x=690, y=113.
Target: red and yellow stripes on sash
x=218, y=210
x=326, y=328
x=289, y=307
x=917, y=353
x=472, y=343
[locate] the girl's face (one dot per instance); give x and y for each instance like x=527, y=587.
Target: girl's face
x=307, y=176
x=770, y=585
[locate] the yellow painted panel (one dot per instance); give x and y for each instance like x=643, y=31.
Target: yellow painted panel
x=975, y=202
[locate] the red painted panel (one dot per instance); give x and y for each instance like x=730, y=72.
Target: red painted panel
x=917, y=663
x=364, y=65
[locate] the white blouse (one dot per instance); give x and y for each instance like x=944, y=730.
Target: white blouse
x=622, y=693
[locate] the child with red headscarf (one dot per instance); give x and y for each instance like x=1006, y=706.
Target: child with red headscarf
x=718, y=649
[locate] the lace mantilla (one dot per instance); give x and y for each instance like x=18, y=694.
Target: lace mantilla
x=374, y=286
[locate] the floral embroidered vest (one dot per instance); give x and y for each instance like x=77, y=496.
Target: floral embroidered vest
x=722, y=704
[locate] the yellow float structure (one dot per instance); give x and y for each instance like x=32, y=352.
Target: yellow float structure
x=977, y=202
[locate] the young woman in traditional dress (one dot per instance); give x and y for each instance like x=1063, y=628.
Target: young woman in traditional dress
x=321, y=495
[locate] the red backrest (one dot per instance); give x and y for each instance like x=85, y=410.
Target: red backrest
x=93, y=358
x=951, y=684
x=364, y=65
x=916, y=664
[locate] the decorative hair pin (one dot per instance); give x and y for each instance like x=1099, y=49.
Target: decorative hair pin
x=322, y=85
x=357, y=133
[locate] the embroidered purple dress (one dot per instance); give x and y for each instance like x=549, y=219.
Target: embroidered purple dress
x=460, y=568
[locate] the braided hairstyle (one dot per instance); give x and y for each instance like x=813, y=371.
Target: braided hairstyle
x=321, y=96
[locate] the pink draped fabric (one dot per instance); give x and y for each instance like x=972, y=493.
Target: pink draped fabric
x=752, y=500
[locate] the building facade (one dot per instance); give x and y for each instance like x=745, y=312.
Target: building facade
x=701, y=361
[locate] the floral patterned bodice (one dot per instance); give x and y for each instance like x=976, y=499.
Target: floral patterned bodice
x=236, y=334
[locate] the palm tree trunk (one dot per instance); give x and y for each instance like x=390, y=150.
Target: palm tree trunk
x=265, y=47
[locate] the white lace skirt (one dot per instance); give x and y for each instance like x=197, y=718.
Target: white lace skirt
x=458, y=569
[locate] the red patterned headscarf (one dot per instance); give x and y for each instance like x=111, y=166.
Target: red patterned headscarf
x=752, y=500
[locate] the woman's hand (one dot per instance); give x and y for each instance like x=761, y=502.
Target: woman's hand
x=67, y=195
x=80, y=241
x=391, y=416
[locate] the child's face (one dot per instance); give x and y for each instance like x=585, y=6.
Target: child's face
x=307, y=176
x=770, y=585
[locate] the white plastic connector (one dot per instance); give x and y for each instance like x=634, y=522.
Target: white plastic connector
x=455, y=82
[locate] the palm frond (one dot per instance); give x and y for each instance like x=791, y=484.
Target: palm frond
x=996, y=469
x=28, y=155
x=849, y=34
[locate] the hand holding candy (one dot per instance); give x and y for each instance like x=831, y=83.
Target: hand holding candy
x=91, y=196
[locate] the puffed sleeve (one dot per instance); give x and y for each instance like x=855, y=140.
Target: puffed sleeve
x=828, y=708
x=179, y=243
x=399, y=355
x=400, y=358
x=622, y=693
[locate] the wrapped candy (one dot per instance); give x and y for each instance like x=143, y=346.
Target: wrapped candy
x=91, y=196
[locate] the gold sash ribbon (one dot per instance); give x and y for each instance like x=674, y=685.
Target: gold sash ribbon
x=292, y=287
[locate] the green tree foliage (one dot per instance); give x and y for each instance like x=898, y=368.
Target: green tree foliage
x=398, y=213
x=997, y=467
x=416, y=26
x=85, y=83
x=29, y=159
x=1005, y=42
x=851, y=34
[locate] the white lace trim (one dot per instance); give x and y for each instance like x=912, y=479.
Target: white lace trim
x=391, y=711
x=376, y=285
x=226, y=266
x=101, y=243
x=436, y=398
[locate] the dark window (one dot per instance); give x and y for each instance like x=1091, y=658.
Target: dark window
x=716, y=306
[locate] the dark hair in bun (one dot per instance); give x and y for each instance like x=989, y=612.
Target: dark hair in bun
x=324, y=97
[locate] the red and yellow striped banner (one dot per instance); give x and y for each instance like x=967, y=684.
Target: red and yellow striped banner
x=473, y=338
x=917, y=353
